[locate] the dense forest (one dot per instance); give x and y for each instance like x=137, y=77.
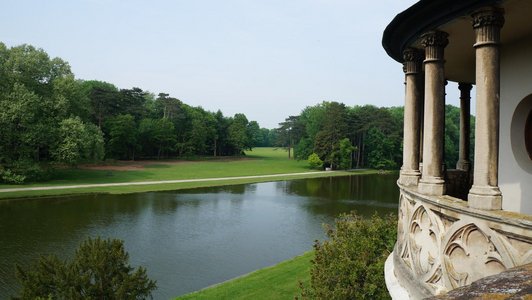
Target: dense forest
x=47, y=116
x=366, y=136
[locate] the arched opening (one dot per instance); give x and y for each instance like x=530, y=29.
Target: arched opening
x=528, y=135
x=521, y=134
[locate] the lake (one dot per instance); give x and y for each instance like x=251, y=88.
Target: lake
x=190, y=239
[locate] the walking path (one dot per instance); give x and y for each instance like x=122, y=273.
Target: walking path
x=80, y=186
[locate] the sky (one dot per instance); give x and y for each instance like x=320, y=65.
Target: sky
x=267, y=59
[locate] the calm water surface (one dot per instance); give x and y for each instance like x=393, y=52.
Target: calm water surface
x=190, y=239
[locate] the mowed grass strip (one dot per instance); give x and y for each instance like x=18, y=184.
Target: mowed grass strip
x=259, y=161
x=277, y=282
x=167, y=186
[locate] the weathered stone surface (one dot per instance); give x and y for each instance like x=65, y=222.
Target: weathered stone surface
x=512, y=284
x=443, y=244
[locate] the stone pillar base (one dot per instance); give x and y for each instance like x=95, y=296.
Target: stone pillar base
x=485, y=197
x=434, y=186
x=409, y=178
x=464, y=165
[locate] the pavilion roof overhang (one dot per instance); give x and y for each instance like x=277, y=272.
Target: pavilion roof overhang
x=421, y=17
x=454, y=17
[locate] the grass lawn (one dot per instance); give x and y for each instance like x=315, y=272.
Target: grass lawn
x=257, y=162
x=276, y=282
x=260, y=161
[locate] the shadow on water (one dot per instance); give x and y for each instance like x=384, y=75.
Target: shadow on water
x=190, y=239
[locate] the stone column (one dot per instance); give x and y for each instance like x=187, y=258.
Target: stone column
x=432, y=182
x=412, y=67
x=485, y=193
x=421, y=120
x=465, y=121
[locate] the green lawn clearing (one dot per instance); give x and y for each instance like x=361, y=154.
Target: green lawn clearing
x=260, y=161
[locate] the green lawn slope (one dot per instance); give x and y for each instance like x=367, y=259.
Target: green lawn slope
x=277, y=282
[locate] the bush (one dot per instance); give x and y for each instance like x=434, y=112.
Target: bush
x=350, y=265
x=314, y=161
x=23, y=171
x=99, y=270
x=7, y=176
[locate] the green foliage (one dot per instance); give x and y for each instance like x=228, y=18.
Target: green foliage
x=289, y=132
x=8, y=176
x=99, y=270
x=48, y=116
x=334, y=128
x=346, y=149
x=78, y=142
x=238, y=133
x=381, y=153
x=350, y=265
x=156, y=137
x=22, y=171
x=314, y=161
x=303, y=149
x=452, y=135
x=122, y=132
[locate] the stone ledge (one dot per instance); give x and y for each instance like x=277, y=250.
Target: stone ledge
x=515, y=283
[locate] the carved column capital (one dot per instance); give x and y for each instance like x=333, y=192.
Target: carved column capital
x=434, y=43
x=487, y=24
x=435, y=38
x=412, y=61
x=465, y=90
x=491, y=16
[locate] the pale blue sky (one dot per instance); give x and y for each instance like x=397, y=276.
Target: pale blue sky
x=268, y=59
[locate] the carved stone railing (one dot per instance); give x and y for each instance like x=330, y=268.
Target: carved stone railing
x=443, y=244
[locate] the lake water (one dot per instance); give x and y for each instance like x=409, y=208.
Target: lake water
x=190, y=239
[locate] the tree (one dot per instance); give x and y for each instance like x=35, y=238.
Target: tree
x=104, y=98
x=78, y=142
x=334, y=129
x=452, y=136
x=220, y=138
x=237, y=133
x=122, y=132
x=132, y=102
x=156, y=137
x=314, y=161
x=254, y=134
x=381, y=151
x=345, y=154
x=289, y=132
x=350, y=264
x=99, y=270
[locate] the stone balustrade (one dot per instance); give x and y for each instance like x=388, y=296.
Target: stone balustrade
x=444, y=244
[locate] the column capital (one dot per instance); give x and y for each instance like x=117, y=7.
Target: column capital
x=434, y=43
x=412, y=61
x=435, y=38
x=465, y=90
x=487, y=23
x=488, y=16
x=465, y=87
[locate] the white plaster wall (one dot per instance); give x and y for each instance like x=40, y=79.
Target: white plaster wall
x=515, y=171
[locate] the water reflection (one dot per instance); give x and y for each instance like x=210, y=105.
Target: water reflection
x=192, y=238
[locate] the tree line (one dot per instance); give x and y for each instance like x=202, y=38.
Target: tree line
x=47, y=116
x=331, y=134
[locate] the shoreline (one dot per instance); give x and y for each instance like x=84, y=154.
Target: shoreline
x=163, y=185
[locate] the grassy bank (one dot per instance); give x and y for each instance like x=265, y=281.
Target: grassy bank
x=276, y=282
x=260, y=161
